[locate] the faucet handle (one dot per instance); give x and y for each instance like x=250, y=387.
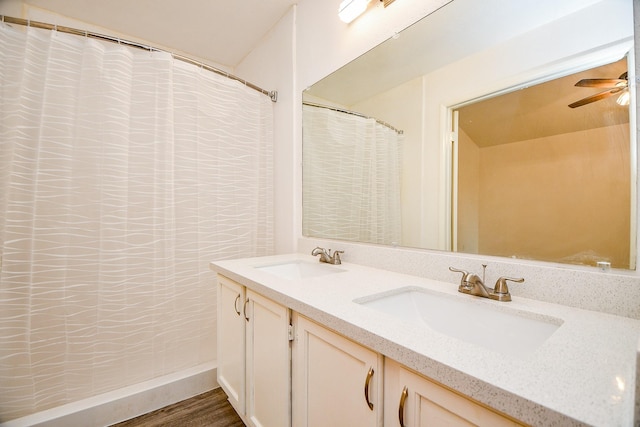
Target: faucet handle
x=501, y=290
x=336, y=257
x=455, y=270
x=464, y=281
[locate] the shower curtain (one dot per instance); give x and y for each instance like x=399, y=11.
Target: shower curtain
x=351, y=177
x=122, y=174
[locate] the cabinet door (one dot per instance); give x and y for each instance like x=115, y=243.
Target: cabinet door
x=268, y=363
x=336, y=382
x=231, y=341
x=412, y=400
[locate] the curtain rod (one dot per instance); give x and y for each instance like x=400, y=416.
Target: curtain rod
x=35, y=24
x=354, y=113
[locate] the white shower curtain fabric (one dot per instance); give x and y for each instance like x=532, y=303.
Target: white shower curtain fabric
x=351, y=177
x=123, y=174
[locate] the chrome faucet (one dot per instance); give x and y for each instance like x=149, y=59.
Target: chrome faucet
x=325, y=255
x=472, y=284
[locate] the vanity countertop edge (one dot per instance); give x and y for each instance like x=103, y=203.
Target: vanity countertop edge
x=584, y=374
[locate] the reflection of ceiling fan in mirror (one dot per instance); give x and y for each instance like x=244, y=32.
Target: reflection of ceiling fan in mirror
x=614, y=87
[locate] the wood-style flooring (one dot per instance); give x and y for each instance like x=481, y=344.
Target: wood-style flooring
x=210, y=409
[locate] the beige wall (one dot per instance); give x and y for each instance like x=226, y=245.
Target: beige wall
x=523, y=205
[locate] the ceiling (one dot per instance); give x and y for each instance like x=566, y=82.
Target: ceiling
x=219, y=32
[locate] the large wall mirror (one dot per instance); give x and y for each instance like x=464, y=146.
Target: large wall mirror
x=496, y=127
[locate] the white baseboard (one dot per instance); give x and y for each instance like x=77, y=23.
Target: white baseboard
x=125, y=403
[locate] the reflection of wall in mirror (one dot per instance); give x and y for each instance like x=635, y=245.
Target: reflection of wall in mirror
x=402, y=107
x=571, y=190
x=528, y=54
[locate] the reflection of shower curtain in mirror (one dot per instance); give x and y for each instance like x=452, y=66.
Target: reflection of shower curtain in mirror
x=351, y=177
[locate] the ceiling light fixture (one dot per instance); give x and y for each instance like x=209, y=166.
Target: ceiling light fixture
x=624, y=98
x=351, y=9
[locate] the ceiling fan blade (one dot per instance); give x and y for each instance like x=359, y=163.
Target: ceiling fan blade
x=596, y=97
x=601, y=82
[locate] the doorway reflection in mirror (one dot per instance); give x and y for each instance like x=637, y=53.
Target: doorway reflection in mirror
x=546, y=173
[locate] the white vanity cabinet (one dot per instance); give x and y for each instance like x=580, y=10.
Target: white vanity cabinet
x=412, y=400
x=254, y=355
x=323, y=378
x=336, y=382
x=231, y=341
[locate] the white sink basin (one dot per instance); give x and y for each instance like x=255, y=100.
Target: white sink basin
x=293, y=270
x=498, y=328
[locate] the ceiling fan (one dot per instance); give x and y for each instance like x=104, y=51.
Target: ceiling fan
x=614, y=86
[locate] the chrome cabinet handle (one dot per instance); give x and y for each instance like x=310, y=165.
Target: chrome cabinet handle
x=244, y=308
x=403, y=398
x=235, y=305
x=366, y=388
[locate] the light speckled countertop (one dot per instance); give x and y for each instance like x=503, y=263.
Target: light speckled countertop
x=584, y=374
